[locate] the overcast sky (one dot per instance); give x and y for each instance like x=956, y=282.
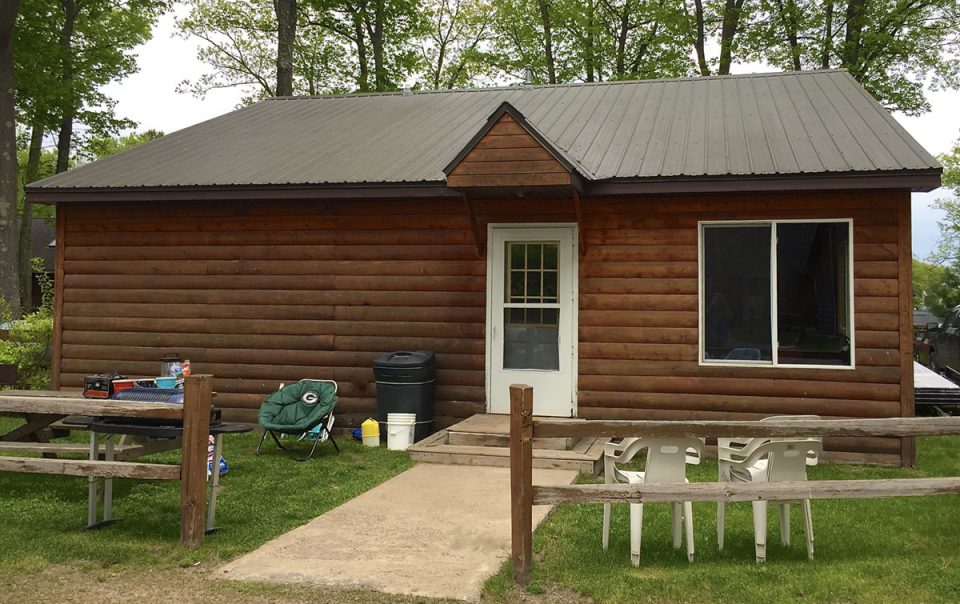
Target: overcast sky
x=150, y=98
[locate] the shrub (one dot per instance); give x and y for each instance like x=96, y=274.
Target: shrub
x=31, y=337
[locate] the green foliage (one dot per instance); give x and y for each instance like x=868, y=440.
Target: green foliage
x=30, y=338
x=453, y=54
x=947, y=252
x=104, y=146
x=895, y=49
x=935, y=287
x=241, y=50
x=55, y=79
x=951, y=169
x=47, y=167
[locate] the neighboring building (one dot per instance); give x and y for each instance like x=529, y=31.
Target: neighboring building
x=709, y=248
x=923, y=316
x=42, y=243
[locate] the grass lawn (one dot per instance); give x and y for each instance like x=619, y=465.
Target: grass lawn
x=904, y=549
x=261, y=497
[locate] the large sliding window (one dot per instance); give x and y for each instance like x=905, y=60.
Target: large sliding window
x=776, y=293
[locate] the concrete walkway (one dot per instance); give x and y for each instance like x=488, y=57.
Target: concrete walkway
x=434, y=530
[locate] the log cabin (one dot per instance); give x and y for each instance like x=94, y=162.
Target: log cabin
x=713, y=248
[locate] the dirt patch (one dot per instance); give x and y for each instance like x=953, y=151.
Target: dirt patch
x=186, y=585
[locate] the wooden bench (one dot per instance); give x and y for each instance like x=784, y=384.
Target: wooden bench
x=524, y=494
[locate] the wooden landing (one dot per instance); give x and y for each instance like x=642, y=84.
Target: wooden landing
x=484, y=440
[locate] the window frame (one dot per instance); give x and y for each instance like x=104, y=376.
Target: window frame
x=774, y=334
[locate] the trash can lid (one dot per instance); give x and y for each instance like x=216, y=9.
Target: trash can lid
x=406, y=359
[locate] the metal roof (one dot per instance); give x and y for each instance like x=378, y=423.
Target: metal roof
x=788, y=124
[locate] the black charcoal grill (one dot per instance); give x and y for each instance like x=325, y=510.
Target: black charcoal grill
x=153, y=395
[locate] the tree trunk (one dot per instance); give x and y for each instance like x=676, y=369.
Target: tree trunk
x=699, y=40
x=856, y=11
x=827, y=36
x=363, y=76
x=548, y=41
x=623, y=30
x=731, y=23
x=590, y=43
x=286, y=11
x=376, y=40
x=26, y=219
x=788, y=17
x=8, y=161
x=71, y=8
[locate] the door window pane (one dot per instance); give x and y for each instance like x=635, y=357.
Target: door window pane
x=533, y=342
x=736, y=279
x=812, y=293
x=531, y=279
x=531, y=338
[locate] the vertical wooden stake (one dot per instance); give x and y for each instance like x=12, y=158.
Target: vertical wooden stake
x=197, y=395
x=521, y=480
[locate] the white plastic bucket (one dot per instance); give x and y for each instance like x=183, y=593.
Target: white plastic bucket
x=400, y=428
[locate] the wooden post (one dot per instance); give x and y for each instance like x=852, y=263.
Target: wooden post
x=908, y=452
x=56, y=354
x=521, y=480
x=197, y=394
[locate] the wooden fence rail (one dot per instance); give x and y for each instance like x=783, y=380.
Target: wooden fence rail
x=524, y=495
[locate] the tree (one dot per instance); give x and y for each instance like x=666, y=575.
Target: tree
x=8, y=160
x=894, y=48
x=105, y=146
x=286, y=12
x=452, y=51
x=384, y=35
x=935, y=287
x=948, y=248
x=95, y=46
x=239, y=48
x=59, y=84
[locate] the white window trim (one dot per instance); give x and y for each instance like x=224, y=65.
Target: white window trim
x=774, y=336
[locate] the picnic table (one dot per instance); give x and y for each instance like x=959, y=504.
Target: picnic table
x=42, y=409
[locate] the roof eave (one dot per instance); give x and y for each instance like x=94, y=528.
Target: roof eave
x=913, y=180
x=301, y=192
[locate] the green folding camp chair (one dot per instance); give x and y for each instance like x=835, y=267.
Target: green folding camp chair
x=304, y=408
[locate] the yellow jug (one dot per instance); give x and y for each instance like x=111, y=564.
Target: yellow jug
x=370, y=431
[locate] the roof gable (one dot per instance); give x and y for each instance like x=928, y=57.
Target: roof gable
x=509, y=152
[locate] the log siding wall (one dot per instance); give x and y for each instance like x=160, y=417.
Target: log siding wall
x=257, y=293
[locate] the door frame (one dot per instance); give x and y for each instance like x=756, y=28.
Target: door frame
x=574, y=304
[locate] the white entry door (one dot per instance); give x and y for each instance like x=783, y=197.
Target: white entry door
x=532, y=316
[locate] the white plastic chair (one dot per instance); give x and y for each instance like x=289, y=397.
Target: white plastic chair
x=666, y=463
x=768, y=460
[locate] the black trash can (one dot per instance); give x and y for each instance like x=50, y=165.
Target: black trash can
x=405, y=383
